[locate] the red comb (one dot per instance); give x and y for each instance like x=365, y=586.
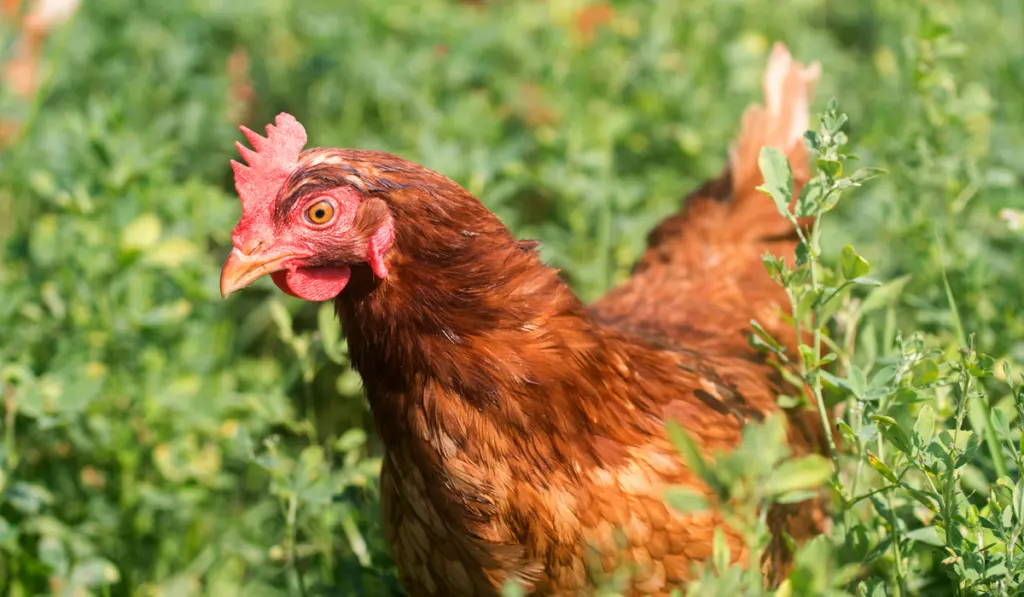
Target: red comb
x=269, y=166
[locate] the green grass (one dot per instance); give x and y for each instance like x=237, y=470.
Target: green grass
x=159, y=441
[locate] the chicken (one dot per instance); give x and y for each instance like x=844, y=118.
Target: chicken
x=525, y=431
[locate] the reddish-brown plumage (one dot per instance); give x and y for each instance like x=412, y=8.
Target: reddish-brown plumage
x=524, y=430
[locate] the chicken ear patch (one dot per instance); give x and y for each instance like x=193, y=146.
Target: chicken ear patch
x=378, y=246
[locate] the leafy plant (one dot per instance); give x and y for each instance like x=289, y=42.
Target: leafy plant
x=919, y=460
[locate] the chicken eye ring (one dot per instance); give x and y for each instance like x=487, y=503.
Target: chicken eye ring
x=320, y=213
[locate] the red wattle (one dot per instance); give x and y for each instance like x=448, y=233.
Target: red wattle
x=313, y=284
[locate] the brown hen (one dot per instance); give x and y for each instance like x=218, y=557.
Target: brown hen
x=525, y=431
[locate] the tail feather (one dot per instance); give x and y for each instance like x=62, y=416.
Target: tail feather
x=702, y=266
x=779, y=123
x=729, y=209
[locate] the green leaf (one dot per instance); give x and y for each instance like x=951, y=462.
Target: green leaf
x=832, y=120
x=885, y=295
x=835, y=381
x=720, y=553
x=799, y=474
x=8, y=533
x=813, y=140
x=857, y=382
x=349, y=383
x=688, y=449
x=683, y=499
x=892, y=432
x=857, y=542
x=928, y=535
x=787, y=401
x=924, y=427
x=882, y=468
x=766, y=339
x=807, y=203
x=965, y=438
x=352, y=439
x=513, y=588
x=94, y=572
x=793, y=497
x=873, y=587
x=832, y=198
x=907, y=396
x=862, y=281
x=1018, y=499
x=141, y=233
x=884, y=419
x=1002, y=491
x=282, y=319
x=926, y=372
x=778, y=179
x=806, y=303
x=775, y=267
x=1000, y=423
x=28, y=498
x=925, y=499
x=863, y=175
x=982, y=366
x=846, y=430
x=52, y=552
x=853, y=265
x=868, y=433
x=173, y=253
x=330, y=332
x=807, y=354
x=802, y=257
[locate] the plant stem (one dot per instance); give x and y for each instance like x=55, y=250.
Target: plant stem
x=815, y=384
x=10, y=410
x=816, y=380
x=897, y=554
x=293, y=550
x=949, y=490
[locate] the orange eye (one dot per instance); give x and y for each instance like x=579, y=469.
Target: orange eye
x=321, y=212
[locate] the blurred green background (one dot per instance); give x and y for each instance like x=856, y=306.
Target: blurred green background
x=160, y=441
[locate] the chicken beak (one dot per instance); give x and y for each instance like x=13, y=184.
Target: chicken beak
x=240, y=269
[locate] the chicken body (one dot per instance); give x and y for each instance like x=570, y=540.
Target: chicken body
x=525, y=431
x=531, y=445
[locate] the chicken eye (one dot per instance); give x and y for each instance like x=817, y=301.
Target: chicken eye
x=320, y=213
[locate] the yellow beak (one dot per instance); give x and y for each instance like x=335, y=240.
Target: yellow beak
x=240, y=269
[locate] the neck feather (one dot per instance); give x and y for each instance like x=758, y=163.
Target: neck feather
x=472, y=334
